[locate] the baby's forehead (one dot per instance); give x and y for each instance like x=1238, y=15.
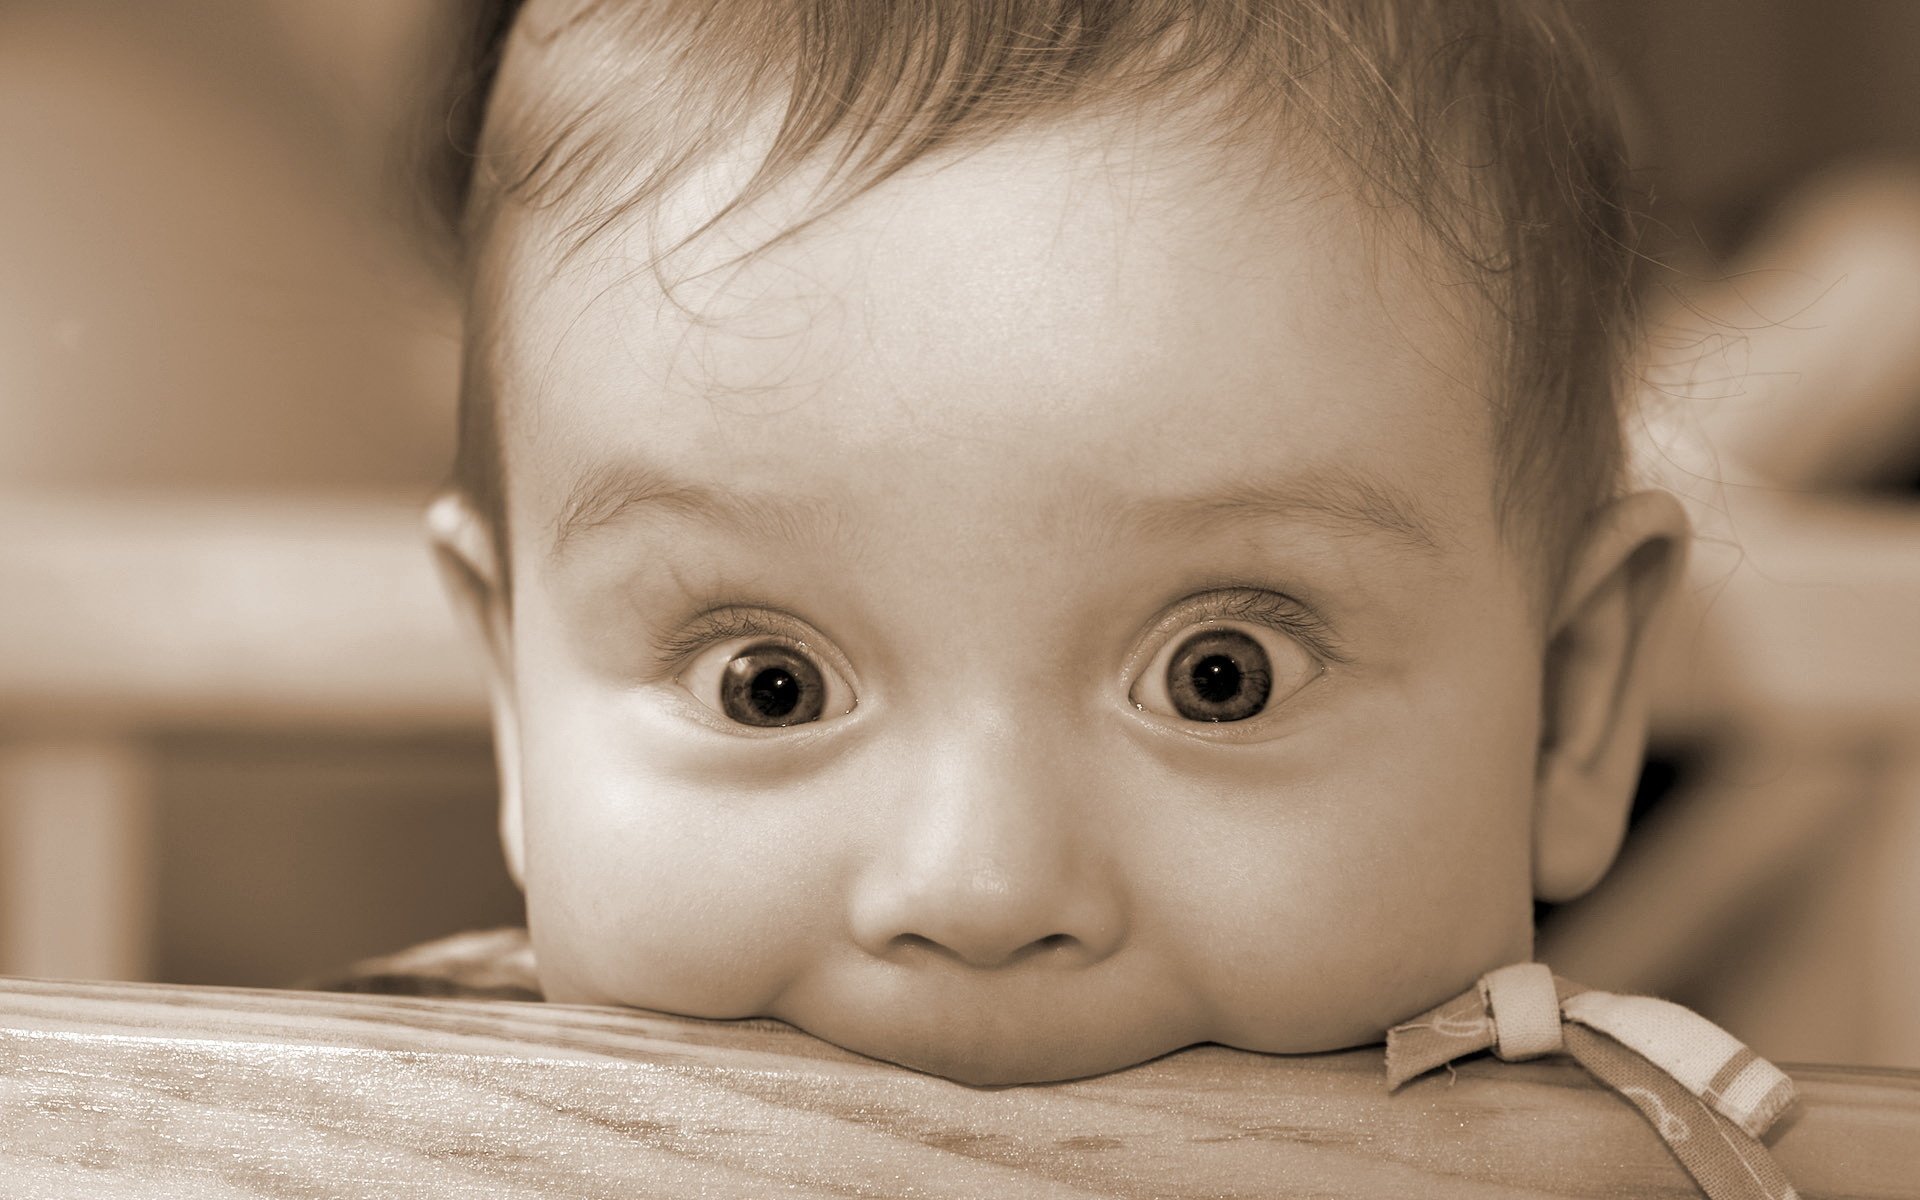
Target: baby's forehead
x=1048, y=262
x=1038, y=308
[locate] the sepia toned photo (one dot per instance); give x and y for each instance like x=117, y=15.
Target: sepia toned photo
x=959, y=598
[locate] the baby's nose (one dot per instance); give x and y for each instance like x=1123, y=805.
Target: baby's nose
x=987, y=915
x=989, y=865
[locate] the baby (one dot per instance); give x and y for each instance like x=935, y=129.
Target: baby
x=1018, y=538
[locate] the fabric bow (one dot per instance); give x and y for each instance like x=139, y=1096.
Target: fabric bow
x=1709, y=1097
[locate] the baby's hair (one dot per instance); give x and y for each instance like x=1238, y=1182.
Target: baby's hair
x=1482, y=120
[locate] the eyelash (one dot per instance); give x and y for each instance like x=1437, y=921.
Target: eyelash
x=672, y=650
x=1260, y=607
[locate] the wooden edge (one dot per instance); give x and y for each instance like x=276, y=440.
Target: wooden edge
x=144, y=611
x=111, y=1089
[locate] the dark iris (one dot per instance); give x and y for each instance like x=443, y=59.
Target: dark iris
x=770, y=685
x=1219, y=675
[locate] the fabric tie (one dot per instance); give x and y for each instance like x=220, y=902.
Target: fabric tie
x=1709, y=1097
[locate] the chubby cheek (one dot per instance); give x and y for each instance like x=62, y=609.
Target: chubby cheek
x=652, y=892
x=1389, y=884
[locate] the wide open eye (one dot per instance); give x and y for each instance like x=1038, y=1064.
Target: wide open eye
x=766, y=682
x=1223, y=671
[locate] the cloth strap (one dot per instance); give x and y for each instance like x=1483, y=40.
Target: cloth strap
x=1710, y=1098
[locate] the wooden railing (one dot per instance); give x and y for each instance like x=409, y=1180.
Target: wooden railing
x=144, y=1090
x=123, y=617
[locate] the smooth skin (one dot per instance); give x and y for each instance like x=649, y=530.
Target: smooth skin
x=986, y=448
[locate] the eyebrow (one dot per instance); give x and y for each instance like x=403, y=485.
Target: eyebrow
x=609, y=493
x=1344, y=499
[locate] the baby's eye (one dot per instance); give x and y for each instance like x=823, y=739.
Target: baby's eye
x=1223, y=671
x=766, y=682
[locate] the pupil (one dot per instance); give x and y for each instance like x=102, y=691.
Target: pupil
x=774, y=692
x=771, y=685
x=1219, y=675
x=1216, y=678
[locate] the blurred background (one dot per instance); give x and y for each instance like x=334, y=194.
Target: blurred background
x=240, y=744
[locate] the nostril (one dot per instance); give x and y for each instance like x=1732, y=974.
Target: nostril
x=1055, y=947
x=909, y=944
x=914, y=943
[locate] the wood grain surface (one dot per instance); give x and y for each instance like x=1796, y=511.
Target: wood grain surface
x=140, y=1090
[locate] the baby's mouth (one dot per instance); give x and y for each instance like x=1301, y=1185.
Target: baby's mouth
x=1030, y=1031
x=981, y=1065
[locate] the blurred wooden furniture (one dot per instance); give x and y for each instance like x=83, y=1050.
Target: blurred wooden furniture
x=123, y=617
x=151, y=1091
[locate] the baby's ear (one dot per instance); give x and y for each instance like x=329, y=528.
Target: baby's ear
x=1598, y=687
x=463, y=547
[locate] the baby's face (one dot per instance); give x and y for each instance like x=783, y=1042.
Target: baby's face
x=1051, y=614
